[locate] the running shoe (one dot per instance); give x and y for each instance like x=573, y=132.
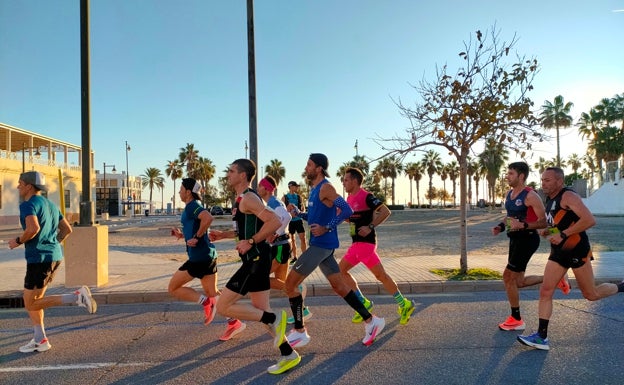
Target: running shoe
x=357, y=318
x=210, y=310
x=86, y=300
x=512, y=324
x=564, y=285
x=285, y=363
x=233, y=329
x=406, y=311
x=534, y=340
x=306, y=315
x=298, y=339
x=279, y=328
x=373, y=329
x=33, y=346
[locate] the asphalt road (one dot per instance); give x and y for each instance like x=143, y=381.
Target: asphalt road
x=451, y=339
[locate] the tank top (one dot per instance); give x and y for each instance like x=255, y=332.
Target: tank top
x=517, y=208
x=576, y=245
x=364, y=205
x=320, y=214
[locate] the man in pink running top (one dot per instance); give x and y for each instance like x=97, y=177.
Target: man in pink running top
x=368, y=213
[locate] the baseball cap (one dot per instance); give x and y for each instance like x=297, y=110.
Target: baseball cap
x=193, y=185
x=292, y=183
x=321, y=161
x=34, y=178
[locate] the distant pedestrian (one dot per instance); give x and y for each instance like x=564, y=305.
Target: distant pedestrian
x=326, y=210
x=296, y=224
x=202, y=254
x=568, y=218
x=255, y=223
x=45, y=229
x=368, y=213
x=525, y=215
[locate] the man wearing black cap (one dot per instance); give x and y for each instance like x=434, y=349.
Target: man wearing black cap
x=296, y=224
x=44, y=229
x=326, y=210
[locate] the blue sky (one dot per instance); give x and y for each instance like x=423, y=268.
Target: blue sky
x=167, y=73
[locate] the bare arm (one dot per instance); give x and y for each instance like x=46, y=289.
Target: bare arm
x=571, y=201
x=533, y=200
x=64, y=229
x=31, y=230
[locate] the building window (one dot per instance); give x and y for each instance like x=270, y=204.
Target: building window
x=67, y=197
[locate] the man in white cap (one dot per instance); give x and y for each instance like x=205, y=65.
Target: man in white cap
x=45, y=228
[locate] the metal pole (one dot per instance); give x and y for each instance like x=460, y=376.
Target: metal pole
x=127, y=178
x=251, y=74
x=23, y=158
x=104, y=190
x=87, y=217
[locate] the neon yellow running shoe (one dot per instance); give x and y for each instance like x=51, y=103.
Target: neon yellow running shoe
x=406, y=311
x=357, y=318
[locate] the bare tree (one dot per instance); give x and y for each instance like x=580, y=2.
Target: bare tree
x=486, y=98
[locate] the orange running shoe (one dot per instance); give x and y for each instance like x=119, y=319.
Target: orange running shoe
x=564, y=285
x=512, y=324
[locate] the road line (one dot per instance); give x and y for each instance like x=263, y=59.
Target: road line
x=93, y=365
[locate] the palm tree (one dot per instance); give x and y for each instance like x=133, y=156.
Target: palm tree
x=277, y=171
x=471, y=168
x=414, y=171
x=453, y=174
x=574, y=162
x=152, y=178
x=204, y=172
x=174, y=171
x=431, y=164
x=556, y=115
x=360, y=162
x=493, y=158
x=189, y=156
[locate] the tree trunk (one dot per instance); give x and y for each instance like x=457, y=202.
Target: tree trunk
x=463, y=229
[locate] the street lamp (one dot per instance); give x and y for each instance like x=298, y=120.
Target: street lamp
x=246, y=148
x=127, y=178
x=105, y=192
x=24, y=148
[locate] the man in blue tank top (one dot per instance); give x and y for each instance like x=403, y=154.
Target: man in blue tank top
x=326, y=210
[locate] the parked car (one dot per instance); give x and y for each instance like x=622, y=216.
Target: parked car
x=227, y=211
x=216, y=210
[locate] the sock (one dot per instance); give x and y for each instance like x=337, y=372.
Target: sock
x=542, y=329
x=357, y=305
x=621, y=287
x=203, y=300
x=268, y=318
x=39, y=333
x=515, y=312
x=285, y=349
x=69, y=299
x=360, y=296
x=296, y=305
x=399, y=299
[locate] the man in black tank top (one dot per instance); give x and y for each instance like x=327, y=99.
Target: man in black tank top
x=525, y=214
x=254, y=224
x=567, y=218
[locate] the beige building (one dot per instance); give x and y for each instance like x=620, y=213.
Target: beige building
x=22, y=150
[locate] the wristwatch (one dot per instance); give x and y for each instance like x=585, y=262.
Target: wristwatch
x=371, y=226
x=563, y=235
x=525, y=225
x=328, y=228
x=251, y=241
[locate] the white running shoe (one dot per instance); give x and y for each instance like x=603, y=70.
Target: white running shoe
x=33, y=346
x=373, y=329
x=86, y=300
x=298, y=339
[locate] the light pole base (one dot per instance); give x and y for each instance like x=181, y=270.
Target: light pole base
x=86, y=256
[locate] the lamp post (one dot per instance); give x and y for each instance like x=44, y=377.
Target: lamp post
x=127, y=178
x=246, y=148
x=24, y=148
x=105, y=192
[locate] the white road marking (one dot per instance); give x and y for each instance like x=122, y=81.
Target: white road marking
x=92, y=365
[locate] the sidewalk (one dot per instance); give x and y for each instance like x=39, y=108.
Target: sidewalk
x=134, y=278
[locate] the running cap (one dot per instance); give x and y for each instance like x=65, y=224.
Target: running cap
x=34, y=178
x=321, y=161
